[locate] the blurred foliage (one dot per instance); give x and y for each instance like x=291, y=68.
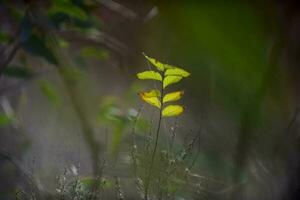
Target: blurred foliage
x=18, y=72
x=5, y=119
x=49, y=91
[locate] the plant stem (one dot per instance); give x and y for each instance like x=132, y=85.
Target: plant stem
x=156, y=140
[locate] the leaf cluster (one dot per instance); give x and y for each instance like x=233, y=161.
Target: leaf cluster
x=166, y=75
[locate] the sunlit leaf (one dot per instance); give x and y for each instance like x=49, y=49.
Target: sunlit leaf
x=173, y=96
x=177, y=72
x=152, y=93
x=172, y=110
x=150, y=98
x=156, y=63
x=149, y=75
x=171, y=80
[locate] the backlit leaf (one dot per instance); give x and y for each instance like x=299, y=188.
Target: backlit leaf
x=171, y=80
x=156, y=63
x=172, y=110
x=177, y=72
x=149, y=75
x=173, y=96
x=152, y=93
x=150, y=98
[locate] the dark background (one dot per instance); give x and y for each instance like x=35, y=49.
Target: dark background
x=68, y=82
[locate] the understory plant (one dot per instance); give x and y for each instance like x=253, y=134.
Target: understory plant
x=160, y=172
x=164, y=75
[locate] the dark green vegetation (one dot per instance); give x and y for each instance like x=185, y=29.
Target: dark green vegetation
x=74, y=124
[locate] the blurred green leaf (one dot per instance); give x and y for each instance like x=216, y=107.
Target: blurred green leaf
x=5, y=119
x=18, y=72
x=49, y=91
x=89, y=183
x=63, y=43
x=4, y=38
x=67, y=7
x=37, y=46
x=93, y=52
x=72, y=74
x=117, y=136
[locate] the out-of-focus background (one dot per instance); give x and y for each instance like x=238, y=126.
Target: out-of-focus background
x=68, y=93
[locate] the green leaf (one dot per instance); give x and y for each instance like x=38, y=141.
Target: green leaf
x=173, y=96
x=156, y=63
x=171, y=80
x=149, y=75
x=151, y=98
x=177, y=72
x=5, y=119
x=172, y=110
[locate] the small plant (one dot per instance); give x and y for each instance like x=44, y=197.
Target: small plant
x=166, y=75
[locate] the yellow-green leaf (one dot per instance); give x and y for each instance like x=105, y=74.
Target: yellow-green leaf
x=173, y=96
x=171, y=80
x=149, y=75
x=152, y=93
x=156, y=63
x=177, y=72
x=172, y=110
x=150, y=98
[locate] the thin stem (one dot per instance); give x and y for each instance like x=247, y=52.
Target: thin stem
x=156, y=139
